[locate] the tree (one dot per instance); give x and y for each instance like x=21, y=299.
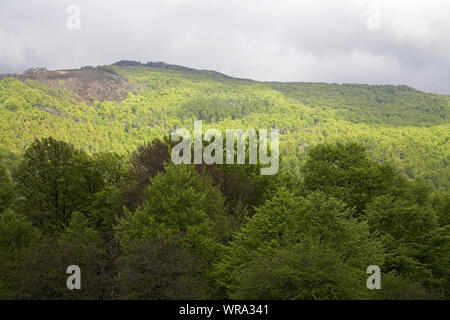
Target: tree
x=114, y=174
x=146, y=163
x=180, y=200
x=55, y=179
x=416, y=247
x=158, y=269
x=395, y=287
x=243, y=184
x=346, y=172
x=303, y=271
x=17, y=237
x=284, y=229
x=45, y=278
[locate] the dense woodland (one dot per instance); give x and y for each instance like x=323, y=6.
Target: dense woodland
x=399, y=125
x=142, y=228
x=363, y=181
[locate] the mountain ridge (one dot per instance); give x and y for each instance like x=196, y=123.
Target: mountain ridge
x=176, y=67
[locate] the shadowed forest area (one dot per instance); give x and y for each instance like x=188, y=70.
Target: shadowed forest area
x=142, y=228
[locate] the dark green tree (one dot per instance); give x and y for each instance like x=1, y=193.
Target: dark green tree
x=416, y=246
x=17, y=237
x=346, y=172
x=158, y=269
x=395, y=287
x=178, y=201
x=114, y=175
x=42, y=271
x=54, y=180
x=278, y=241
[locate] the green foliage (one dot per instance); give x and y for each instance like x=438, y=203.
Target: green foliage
x=158, y=269
x=381, y=104
x=346, y=172
x=79, y=230
x=394, y=287
x=79, y=245
x=55, y=179
x=303, y=224
x=178, y=201
x=306, y=271
x=363, y=180
x=6, y=189
x=114, y=175
x=416, y=247
x=17, y=236
x=396, y=124
x=441, y=204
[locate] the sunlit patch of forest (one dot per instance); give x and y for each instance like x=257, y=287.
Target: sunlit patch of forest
x=396, y=124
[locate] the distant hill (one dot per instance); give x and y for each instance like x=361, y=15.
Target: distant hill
x=120, y=106
x=163, y=65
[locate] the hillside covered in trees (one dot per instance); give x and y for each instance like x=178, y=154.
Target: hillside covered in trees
x=120, y=107
x=86, y=179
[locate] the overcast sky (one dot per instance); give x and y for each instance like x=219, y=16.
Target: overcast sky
x=344, y=41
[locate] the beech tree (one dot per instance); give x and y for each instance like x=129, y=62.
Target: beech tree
x=283, y=230
x=55, y=179
x=346, y=172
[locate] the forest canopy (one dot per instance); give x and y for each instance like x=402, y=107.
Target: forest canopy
x=121, y=107
x=141, y=227
x=86, y=179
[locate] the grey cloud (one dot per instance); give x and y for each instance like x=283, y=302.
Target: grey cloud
x=290, y=40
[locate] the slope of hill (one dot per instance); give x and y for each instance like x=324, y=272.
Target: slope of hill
x=119, y=107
